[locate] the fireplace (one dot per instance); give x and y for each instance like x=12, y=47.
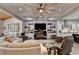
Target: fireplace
x=40, y=31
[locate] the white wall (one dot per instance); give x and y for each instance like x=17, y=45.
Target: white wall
x=74, y=25
x=23, y=25
x=59, y=26
x=1, y=27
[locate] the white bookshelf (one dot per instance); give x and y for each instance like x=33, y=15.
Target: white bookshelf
x=31, y=27
x=51, y=28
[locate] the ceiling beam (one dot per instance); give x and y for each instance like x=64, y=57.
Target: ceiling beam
x=14, y=15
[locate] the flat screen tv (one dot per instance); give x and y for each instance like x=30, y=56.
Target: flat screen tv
x=41, y=26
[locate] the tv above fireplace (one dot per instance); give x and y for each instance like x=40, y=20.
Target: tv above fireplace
x=40, y=31
x=41, y=26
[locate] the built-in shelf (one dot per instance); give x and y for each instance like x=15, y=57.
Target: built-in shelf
x=51, y=28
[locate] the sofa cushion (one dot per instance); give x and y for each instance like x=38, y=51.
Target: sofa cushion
x=22, y=45
x=17, y=40
x=4, y=44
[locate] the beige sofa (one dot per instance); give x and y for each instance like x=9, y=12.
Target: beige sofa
x=20, y=49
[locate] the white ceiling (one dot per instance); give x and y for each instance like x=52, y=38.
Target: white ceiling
x=53, y=10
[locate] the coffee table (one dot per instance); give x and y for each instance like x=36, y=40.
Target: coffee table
x=50, y=46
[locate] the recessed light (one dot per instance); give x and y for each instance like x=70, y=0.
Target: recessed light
x=40, y=10
x=20, y=9
x=75, y=16
x=51, y=18
x=29, y=18
x=59, y=9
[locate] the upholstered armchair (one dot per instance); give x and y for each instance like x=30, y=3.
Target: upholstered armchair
x=66, y=46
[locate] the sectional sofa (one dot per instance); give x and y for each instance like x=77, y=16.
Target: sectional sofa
x=20, y=49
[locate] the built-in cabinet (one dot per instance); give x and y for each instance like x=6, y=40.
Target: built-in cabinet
x=54, y=27
x=51, y=28
x=29, y=29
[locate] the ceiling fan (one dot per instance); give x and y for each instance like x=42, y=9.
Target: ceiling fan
x=44, y=9
x=41, y=9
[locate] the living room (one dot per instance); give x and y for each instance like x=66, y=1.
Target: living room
x=39, y=28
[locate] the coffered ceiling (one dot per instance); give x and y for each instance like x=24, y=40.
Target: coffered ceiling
x=53, y=10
